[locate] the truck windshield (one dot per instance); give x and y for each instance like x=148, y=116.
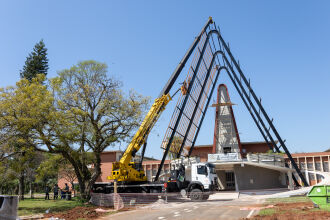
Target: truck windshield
x=211, y=167
x=202, y=170
x=212, y=170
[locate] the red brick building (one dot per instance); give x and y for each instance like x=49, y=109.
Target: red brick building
x=151, y=165
x=311, y=163
x=316, y=161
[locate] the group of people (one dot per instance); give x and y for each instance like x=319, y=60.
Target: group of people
x=65, y=192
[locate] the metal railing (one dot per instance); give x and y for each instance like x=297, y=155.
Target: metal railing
x=271, y=159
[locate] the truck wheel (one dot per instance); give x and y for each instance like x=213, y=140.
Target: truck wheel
x=206, y=197
x=196, y=195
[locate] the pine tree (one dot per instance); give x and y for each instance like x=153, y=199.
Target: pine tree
x=36, y=62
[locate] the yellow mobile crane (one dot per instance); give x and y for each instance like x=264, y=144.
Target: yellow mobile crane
x=126, y=171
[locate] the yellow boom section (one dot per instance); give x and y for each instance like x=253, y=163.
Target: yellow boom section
x=125, y=170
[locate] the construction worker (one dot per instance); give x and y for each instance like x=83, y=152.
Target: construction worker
x=66, y=191
x=55, y=191
x=47, y=189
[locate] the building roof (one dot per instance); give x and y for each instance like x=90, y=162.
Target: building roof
x=310, y=154
x=111, y=151
x=200, y=146
x=245, y=143
x=120, y=151
x=256, y=142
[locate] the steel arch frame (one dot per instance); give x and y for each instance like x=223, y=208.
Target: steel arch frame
x=245, y=98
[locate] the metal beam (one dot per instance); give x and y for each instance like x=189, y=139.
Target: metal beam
x=205, y=110
x=184, y=60
x=168, y=145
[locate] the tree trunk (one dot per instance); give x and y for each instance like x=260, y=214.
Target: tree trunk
x=82, y=189
x=21, y=186
x=85, y=188
x=84, y=177
x=73, y=190
x=31, y=190
x=97, y=172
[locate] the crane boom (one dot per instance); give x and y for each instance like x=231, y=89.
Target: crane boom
x=125, y=170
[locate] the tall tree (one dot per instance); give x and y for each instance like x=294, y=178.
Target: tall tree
x=36, y=62
x=98, y=115
x=83, y=112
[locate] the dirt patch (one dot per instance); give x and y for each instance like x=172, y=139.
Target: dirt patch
x=79, y=213
x=294, y=206
x=294, y=211
x=315, y=215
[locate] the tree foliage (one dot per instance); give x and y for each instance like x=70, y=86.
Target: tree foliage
x=47, y=171
x=8, y=178
x=19, y=158
x=175, y=146
x=19, y=164
x=36, y=62
x=81, y=114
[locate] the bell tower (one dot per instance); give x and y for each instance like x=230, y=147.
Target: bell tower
x=226, y=137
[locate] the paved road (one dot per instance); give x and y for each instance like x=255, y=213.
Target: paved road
x=222, y=205
x=215, y=209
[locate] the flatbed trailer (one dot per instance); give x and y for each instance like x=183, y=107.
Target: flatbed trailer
x=167, y=189
x=196, y=181
x=137, y=187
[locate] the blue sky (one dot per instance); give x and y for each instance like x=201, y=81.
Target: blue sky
x=283, y=46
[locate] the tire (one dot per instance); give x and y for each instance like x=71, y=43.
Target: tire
x=196, y=195
x=206, y=197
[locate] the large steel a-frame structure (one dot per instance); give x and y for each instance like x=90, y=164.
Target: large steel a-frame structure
x=212, y=55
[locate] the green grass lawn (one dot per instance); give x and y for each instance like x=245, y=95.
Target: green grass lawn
x=40, y=205
x=272, y=201
x=269, y=211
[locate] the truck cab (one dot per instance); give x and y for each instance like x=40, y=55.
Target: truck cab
x=196, y=180
x=205, y=174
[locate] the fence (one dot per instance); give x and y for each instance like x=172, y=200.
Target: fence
x=135, y=200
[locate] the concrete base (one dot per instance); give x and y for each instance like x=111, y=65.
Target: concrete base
x=8, y=207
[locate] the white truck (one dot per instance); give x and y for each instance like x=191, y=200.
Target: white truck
x=195, y=179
